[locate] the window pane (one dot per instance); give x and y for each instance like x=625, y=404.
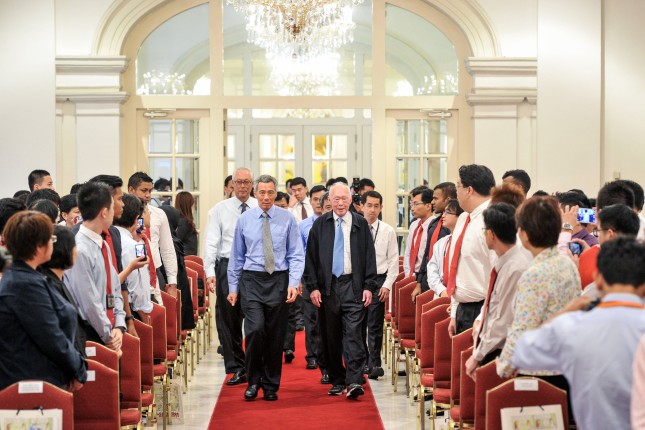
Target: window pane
x=413, y=140
x=187, y=140
x=408, y=175
x=420, y=59
x=301, y=113
x=339, y=146
x=196, y=212
x=403, y=214
x=435, y=140
x=160, y=168
x=267, y=168
x=176, y=55
x=285, y=172
x=320, y=146
x=234, y=77
x=434, y=171
x=401, y=238
x=320, y=172
x=230, y=145
x=268, y=143
x=160, y=136
x=338, y=168
x=187, y=170
x=286, y=144
x=231, y=167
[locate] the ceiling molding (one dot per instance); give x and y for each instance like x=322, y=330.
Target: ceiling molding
x=81, y=65
x=502, y=98
x=487, y=66
x=91, y=95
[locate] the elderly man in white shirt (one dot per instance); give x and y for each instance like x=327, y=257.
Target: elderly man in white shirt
x=303, y=208
x=217, y=250
x=471, y=262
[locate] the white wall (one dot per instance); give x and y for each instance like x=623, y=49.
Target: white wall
x=27, y=86
x=515, y=23
x=76, y=24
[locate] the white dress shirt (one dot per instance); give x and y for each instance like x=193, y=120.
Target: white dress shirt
x=435, y=265
x=138, y=280
x=475, y=262
x=387, y=251
x=408, y=247
x=422, y=244
x=161, y=244
x=296, y=210
x=221, y=229
x=346, y=226
x=641, y=230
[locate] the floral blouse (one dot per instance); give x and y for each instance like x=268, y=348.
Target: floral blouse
x=549, y=284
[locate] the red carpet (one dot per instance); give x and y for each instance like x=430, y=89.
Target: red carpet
x=303, y=403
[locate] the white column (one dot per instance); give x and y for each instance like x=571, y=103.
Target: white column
x=569, y=88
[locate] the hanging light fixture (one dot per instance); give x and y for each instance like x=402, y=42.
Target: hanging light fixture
x=316, y=77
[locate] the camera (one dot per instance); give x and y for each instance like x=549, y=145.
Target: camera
x=5, y=259
x=356, y=199
x=356, y=182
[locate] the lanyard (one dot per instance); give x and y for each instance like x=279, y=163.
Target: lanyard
x=616, y=304
x=378, y=226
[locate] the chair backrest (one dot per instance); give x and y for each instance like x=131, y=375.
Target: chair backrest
x=505, y=396
x=460, y=342
x=194, y=259
x=487, y=379
x=442, y=351
x=130, y=369
x=170, y=303
x=144, y=331
x=422, y=299
x=178, y=312
x=399, y=277
x=192, y=277
x=159, y=339
x=467, y=390
x=437, y=301
x=197, y=268
x=395, y=297
x=96, y=405
x=52, y=397
x=102, y=354
x=428, y=321
x=406, y=310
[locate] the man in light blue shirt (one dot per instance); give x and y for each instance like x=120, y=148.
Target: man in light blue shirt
x=266, y=264
x=594, y=350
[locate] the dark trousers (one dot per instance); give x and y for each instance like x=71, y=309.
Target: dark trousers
x=373, y=331
x=313, y=342
x=231, y=318
x=341, y=323
x=218, y=316
x=300, y=311
x=290, y=338
x=91, y=334
x=263, y=300
x=491, y=356
x=467, y=313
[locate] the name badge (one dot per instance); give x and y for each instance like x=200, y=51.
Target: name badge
x=110, y=301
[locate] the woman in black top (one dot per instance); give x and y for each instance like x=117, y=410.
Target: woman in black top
x=63, y=258
x=38, y=324
x=186, y=231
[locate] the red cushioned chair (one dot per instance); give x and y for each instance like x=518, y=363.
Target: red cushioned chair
x=415, y=371
x=130, y=382
x=394, y=340
x=52, y=397
x=387, y=323
x=487, y=379
x=195, y=333
x=160, y=352
x=195, y=259
x=102, y=354
x=460, y=343
x=183, y=348
x=149, y=408
x=407, y=346
x=426, y=354
x=442, y=374
x=203, y=311
x=505, y=396
x=96, y=405
x=172, y=358
x=464, y=414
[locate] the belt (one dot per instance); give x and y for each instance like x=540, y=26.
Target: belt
x=223, y=259
x=381, y=276
x=343, y=277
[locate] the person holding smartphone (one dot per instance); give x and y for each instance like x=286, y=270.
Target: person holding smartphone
x=138, y=280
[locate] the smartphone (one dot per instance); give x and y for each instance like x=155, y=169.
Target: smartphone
x=140, y=224
x=140, y=250
x=587, y=216
x=575, y=248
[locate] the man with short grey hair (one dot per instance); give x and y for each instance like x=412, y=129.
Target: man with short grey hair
x=265, y=267
x=217, y=250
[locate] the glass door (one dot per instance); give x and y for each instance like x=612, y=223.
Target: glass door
x=330, y=152
x=276, y=151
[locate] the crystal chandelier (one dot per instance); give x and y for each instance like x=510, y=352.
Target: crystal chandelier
x=316, y=77
x=163, y=83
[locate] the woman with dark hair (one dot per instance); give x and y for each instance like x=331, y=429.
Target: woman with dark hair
x=63, y=258
x=186, y=231
x=187, y=319
x=38, y=324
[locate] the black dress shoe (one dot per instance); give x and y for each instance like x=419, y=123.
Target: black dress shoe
x=237, y=379
x=300, y=327
x=251, y=392
x=325, y=380
x=363, y=380
x=288, y=356
x=311, y=364
x=401, y=372
x=270, y=395
x=377, y=371
x=336, y=390
x=366, y=370
x=220, y=350
x=354, y=391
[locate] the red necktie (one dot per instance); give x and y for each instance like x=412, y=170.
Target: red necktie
x=435, y=236
x=151, y=263
x=452, y=281
x=446, y=268
x=416, y=241
x=304, y=211
x=110, y=312
x=493, y=277
x=108, y=238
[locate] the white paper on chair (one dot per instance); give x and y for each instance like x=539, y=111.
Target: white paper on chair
x=30, y=387
x=547, y=417
x=46, y=419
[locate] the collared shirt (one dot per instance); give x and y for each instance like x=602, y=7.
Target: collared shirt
x=161, y=244
x=475, y=262
x=221, y=229
x=247, y=251
x=499, y=311
x=422, y=244
x=435, y=265
x=587, y=237
x=87, y=281
x=386, y=247
x=638, y=388
x=548, y=284
x=296, y=210
x=304, y=228
x=641, y=230
x=346, y=226
x=408, y=246
x=138, y=280
x=594, y=350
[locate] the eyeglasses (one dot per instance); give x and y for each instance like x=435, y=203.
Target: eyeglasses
x=596, y=231
x=450, y=213
x=54, y=238
x=263, y=193
x=247, y=183
x=415, y=204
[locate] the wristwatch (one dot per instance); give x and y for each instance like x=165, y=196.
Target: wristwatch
x=123, y=329
x=130, y=318
x=567, y=226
